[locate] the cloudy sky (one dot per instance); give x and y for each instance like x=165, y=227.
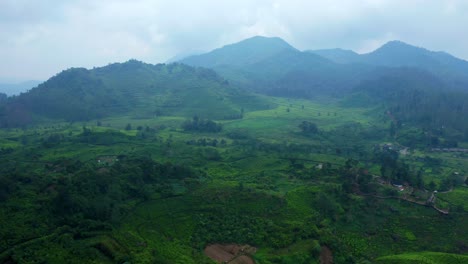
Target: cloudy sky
x=41, y=38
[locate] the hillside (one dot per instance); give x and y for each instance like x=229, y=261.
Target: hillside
x=131, y=88
x=416, y=97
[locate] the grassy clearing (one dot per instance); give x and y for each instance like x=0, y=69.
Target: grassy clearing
x=282, y=121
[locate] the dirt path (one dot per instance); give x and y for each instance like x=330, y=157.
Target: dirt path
x=408, y=200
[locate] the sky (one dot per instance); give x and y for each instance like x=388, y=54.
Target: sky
x=39, y=39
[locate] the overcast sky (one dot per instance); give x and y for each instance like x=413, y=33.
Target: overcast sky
x=38, y=39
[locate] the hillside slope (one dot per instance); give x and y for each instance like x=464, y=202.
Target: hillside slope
x=131, y=88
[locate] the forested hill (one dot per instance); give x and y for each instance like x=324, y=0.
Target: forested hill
x=131, y=88
x=415, y=97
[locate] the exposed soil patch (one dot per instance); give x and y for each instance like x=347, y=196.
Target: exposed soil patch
x=232, y=253
x=326, y=256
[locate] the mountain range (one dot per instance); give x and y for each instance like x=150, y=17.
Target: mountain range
x=273, y=66
x=226, y=81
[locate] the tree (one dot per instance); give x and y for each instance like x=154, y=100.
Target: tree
x=419, y=180
x=392, y=129
x=432, y=186
x=326, y=205
x=128, y=127
x=308, y=127
x=202, y=125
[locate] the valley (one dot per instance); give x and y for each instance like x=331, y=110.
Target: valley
x=260, y=181
x=171, y=163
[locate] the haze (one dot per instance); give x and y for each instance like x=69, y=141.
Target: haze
x=40, y=38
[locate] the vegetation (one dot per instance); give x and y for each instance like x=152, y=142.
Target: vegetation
x=152, y=163
x=197, y=124
x=135, y=88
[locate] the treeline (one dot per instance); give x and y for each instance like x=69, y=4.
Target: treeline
x=201, y=125
x=92, y=191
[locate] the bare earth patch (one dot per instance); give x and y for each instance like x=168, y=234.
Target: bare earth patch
x=326, y=256
x=232, y=253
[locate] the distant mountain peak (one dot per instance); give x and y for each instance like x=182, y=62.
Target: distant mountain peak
x=398, y=44
x=247, y=51
x=265, y=40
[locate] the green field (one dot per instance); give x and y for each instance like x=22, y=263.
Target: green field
x=153, y=192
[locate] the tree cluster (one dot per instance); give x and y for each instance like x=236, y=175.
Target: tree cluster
x=308, y=127
x=201, y=125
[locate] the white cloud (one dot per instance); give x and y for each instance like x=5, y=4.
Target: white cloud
x=41, y=38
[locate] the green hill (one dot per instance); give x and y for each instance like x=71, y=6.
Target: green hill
x=418, y=98
x=131, y=88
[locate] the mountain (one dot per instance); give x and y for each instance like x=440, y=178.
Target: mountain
x=272, y=66
x=17, y=88
x=131, y=88
x=337, y=55
x=452, y=70
x=399, y=54
x=248, y=51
